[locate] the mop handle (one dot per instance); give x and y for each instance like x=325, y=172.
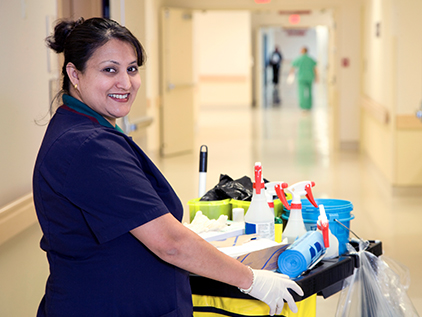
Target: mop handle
x=203, y=161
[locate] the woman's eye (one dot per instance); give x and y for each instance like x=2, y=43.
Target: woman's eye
x=132, y=69
x=109, y=70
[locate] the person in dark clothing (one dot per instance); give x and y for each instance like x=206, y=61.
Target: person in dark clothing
x=275, y=62
x=111, y=222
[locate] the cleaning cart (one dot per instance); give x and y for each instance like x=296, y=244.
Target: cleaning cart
x=213, y=298
x=327, y=277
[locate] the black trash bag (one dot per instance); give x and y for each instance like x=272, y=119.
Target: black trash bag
x=239, y=189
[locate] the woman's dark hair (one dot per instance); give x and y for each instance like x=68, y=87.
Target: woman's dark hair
x=79, y=39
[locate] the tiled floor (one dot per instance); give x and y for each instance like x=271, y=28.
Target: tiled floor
x=293, y=146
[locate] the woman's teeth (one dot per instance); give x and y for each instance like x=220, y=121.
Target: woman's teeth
x=119, y=96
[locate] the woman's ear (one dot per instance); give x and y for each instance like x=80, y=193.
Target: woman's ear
x=73, y=74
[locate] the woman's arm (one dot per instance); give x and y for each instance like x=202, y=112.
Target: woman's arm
x=178, y=245
x=174, y=243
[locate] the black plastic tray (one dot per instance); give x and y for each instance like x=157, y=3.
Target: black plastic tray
x=325, y=279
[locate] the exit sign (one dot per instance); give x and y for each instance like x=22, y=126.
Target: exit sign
x=294, y=18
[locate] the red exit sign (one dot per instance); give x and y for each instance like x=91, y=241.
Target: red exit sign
x=294, y=18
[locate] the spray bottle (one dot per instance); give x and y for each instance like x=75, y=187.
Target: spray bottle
x=259, y=218
x=330, y=240
x=278, y=223
x=295, y=226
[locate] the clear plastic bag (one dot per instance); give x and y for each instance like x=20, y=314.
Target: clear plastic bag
x=377, y=288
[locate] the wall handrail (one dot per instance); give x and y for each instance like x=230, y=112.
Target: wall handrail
x=377, y=111
x=16, y=217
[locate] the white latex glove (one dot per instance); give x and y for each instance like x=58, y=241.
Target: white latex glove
x=272, y=288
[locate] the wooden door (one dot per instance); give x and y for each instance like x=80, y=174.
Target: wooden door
x=74, y=9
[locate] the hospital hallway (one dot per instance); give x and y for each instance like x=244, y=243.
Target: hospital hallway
x=294, y=146
x=207, y=64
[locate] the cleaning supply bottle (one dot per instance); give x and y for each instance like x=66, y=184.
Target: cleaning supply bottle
x=259, y=219
x=270, y=200
x=278, y=223
x=271, y=194
x=278, y=229
x=295, y=227
x=330, y=240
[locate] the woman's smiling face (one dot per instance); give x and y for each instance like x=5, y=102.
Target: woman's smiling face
x=110, y=81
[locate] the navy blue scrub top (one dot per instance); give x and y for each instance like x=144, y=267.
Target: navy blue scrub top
x=92, y=185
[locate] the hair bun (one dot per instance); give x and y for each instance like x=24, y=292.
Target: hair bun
x=62, y=30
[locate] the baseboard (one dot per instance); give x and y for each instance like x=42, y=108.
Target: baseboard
x=16, y=217
x=349, y=146
x=407, y=190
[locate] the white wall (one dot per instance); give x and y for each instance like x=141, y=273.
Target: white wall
x=223, y=40
x=349, y=47
x=24, y=90
x=24, y=97
x=409, y=52
x=291, y=45
x=392, y=79
x=322, y=48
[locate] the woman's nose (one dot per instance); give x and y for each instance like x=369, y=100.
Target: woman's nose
x=124, y=82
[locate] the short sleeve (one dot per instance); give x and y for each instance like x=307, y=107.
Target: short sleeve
x=107, y=182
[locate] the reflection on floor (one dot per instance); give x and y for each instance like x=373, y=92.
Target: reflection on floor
x=294, y=146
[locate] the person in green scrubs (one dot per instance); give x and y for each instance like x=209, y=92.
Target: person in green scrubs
x=306, y=73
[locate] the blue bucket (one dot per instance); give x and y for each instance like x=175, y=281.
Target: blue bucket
x=335, y=209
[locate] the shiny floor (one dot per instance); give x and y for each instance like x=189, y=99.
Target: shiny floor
x=294, y=146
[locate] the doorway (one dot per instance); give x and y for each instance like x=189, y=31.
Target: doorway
x=75, y=9
x=289, y=42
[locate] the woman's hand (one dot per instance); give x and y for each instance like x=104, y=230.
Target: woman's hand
x=272, y=289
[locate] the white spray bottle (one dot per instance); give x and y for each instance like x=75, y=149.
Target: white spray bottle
x=259, y=218
x=330, y=240
x=278, y=223
x=295, y=227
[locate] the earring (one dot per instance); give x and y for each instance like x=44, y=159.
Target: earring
x=75, y=86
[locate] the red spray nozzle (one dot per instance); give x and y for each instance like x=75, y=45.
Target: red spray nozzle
x=309, y=195
x=259, y=184
x=279, y=189
x=323, y=226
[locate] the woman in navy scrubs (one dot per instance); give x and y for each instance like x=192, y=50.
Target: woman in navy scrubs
x=110, y=220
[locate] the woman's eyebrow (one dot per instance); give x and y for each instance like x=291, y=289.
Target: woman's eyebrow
x=115, y=62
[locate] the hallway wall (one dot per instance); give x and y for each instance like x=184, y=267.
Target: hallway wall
x=224, y=57
x=291, y=45
x=392, y=90
x=348, y=75
x=27, y=68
